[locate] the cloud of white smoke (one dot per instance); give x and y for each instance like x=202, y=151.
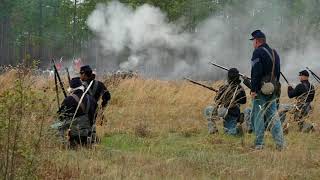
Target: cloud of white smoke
x=143, y=39
x=156, y=47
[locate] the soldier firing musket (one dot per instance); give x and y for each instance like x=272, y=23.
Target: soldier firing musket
x=227, y=105
x=304, y=94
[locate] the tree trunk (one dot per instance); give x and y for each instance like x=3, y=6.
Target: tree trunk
x=40, y=31
x=1, y=41
x=74, y=28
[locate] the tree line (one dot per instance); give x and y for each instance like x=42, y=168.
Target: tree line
x=45, y=29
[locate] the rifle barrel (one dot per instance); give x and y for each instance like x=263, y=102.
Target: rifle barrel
x=202, y=85
x=221, y=67
x=284, y=78
x=314, y=75
x=58, y=76
x=68, y=74
x=224, y=68
x=57, y=89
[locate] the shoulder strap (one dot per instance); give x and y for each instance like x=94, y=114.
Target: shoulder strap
x=94, y=88
x=88, y=105
x=273, y=65
x=232, y=100
x=76, y=98
x=309, y=90
x=273, y=61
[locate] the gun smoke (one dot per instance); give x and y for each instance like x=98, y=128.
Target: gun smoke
x=143, y=40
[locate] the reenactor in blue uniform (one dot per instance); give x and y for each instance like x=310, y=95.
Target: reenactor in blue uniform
x=265, y=74
x=227, y=105
x=98, y=91
x=304, y=94
x=75, y=122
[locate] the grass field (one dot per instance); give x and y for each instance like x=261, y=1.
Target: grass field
x=154, y=130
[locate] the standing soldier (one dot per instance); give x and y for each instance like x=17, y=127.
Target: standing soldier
x=97, y=90
x=304, y=94
x=265, y=74
x=227, y=105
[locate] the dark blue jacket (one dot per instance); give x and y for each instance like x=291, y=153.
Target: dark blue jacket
x=223, y=98
x=304, y=88
x=69, y=106
x=97, y=90
x=261, y=66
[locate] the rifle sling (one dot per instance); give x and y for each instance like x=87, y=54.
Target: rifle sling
x=76, y=98
x=272, y=57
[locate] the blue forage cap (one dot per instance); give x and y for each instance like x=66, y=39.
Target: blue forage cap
x=86, y=69
x=257, y=34
x=304, y=73
x=233, y=73
x=75, y=82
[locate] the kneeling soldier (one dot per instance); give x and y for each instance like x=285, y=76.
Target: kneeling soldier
x=304, y=94
x=227, y=105
x=79, y=128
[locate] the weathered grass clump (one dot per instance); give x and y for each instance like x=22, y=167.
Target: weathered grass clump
x=141, y=130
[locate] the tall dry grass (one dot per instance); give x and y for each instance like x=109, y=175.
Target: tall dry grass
x=154, y=130
x=162, y=105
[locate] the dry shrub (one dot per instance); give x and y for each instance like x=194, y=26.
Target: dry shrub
x=141, y=130
x=7, y=79
x=24, y=122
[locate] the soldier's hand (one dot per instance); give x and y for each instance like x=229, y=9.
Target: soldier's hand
x=102, y=119
x=101, y=116
x=245, y=78
x=290, y=87
x=253, y=94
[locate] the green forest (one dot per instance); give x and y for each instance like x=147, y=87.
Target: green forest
x=45, y=29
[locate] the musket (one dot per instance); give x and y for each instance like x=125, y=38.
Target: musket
x=68, y=74
x=224, y=68
x=202, y=85
x=58, y=76
x=285, y=78
x=314, y=75
x=57, y=89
